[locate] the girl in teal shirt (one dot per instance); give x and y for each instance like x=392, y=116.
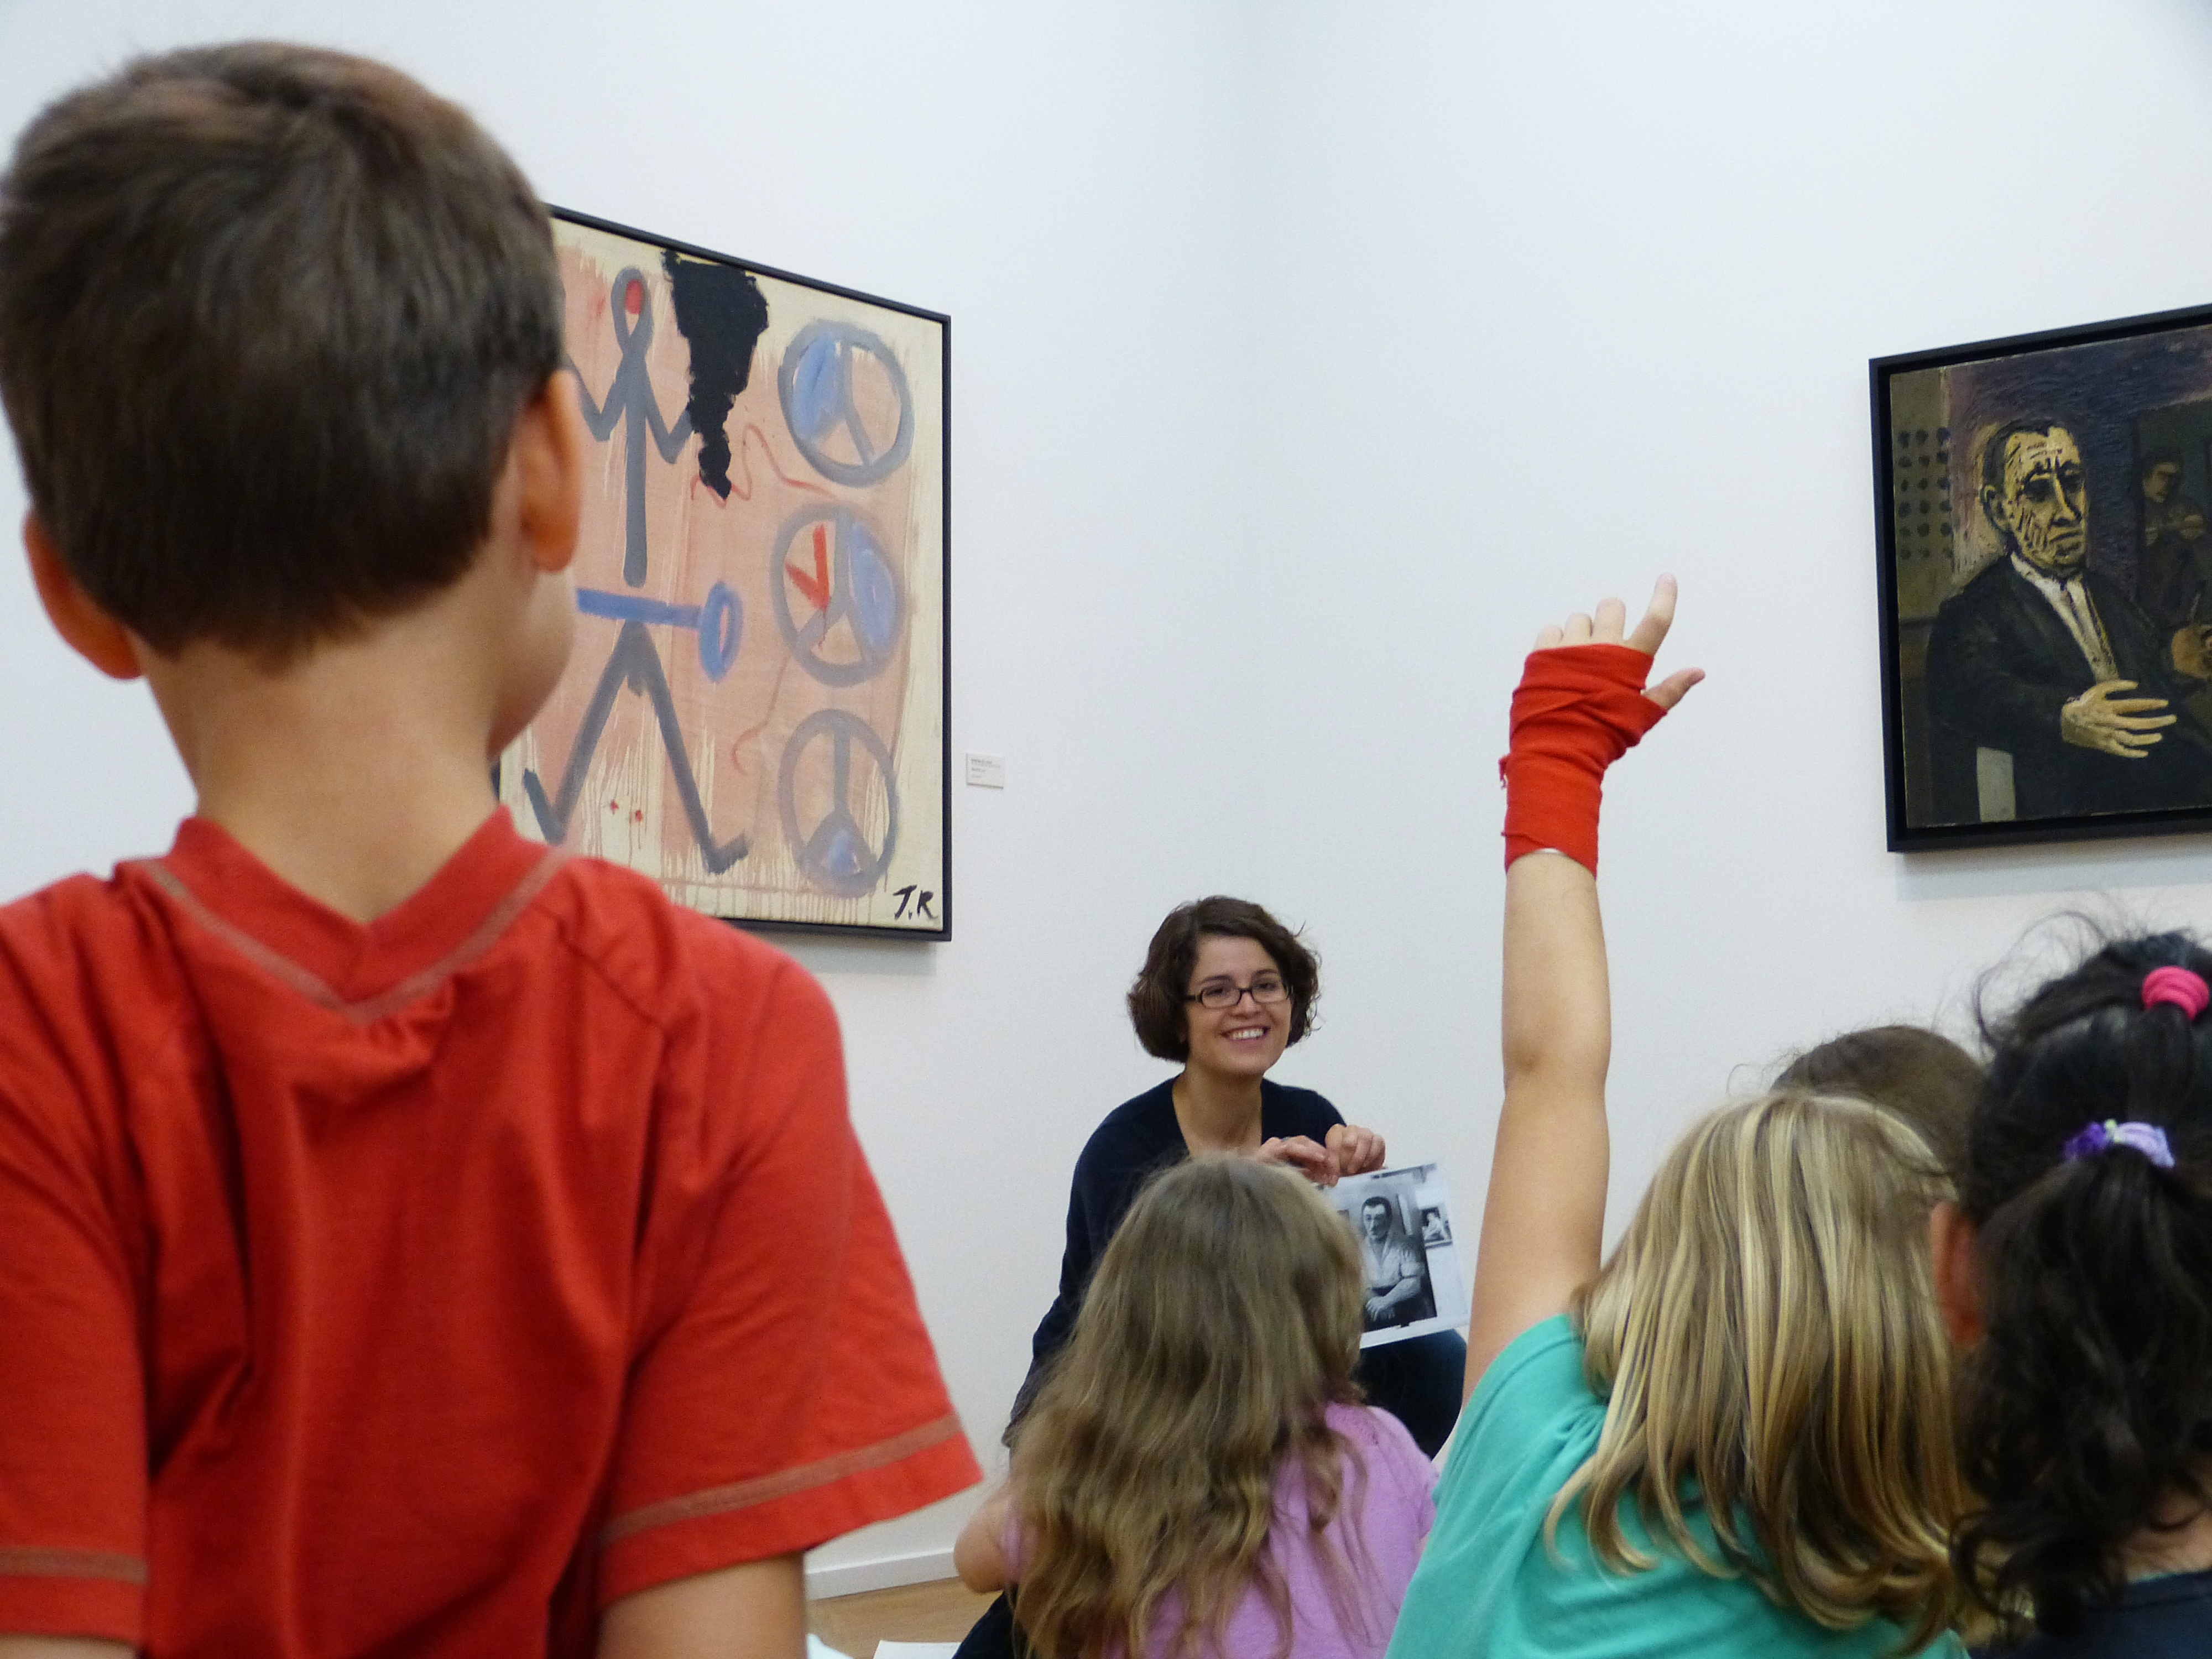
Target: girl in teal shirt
x=1732, y=1437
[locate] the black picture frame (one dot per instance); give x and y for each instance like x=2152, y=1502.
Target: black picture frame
x=876, y=591
x=1973, y=682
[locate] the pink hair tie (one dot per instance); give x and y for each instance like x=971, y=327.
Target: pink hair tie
x=2182, y=987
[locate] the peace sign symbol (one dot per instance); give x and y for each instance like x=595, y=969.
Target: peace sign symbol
x=836, y=855
x=815, y=384
x=833, y=559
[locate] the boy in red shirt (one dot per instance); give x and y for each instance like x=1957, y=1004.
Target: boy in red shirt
x=411, y=1241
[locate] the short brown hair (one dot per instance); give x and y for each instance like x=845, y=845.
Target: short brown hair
x=1156, y=998
x=267, y=316
x=1924, y=1077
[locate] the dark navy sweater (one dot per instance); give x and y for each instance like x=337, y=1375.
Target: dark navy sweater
x=1139, y=1137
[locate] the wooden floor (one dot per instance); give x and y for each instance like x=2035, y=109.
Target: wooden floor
x=915, y=1613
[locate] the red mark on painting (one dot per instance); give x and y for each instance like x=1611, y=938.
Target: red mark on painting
x=614, y=806
x=638, y=816
x=741, y=487
x=634, y=297
x=816, y=587
x=738, y=743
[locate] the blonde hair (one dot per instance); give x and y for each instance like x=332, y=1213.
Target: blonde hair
x=1768, y=1329
x=1222, y=1322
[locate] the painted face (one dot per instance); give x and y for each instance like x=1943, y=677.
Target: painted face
x=2043, y=508
x=1374, y=1216
x=2158, y=483
x=1246, y=1038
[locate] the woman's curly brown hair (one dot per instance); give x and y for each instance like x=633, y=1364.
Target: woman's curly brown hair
x=1157, y=999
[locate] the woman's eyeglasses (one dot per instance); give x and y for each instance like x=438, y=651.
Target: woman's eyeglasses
x=1221, y=994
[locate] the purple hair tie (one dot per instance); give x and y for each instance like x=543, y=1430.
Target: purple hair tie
x=2182, y=987
x=2145, y=1137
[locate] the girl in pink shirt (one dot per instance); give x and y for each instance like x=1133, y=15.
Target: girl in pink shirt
x=1197, y=1477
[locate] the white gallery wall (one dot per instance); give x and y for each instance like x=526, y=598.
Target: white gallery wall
x=1306, y=357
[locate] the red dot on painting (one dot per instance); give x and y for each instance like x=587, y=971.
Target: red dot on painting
x=634, y=297
x=638, y=816
x=614, y=806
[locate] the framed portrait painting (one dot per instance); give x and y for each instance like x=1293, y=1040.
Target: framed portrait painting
x=2046, y=633
x=754, y=712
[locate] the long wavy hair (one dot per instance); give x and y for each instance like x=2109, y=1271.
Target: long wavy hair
x=1223, y=1321
x=1767, y=1330
x=2086, y=1411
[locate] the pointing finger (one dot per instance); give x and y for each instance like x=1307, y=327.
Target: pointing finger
x=1658, y=617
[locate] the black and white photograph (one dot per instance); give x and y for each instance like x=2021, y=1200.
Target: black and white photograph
x=1402, y=1220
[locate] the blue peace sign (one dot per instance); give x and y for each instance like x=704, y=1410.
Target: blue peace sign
x=815, y=384
x=836, y=854
x=843, y=574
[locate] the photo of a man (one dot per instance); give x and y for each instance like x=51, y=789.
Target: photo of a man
x=1395, y=1266
x=1412, y=1280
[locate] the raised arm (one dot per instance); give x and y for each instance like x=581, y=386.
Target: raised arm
x=1583, y=702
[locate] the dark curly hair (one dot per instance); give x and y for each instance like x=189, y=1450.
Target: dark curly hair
x=1156, y=997
x=2087, y=1407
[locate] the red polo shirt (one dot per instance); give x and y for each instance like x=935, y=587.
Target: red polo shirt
x=424, y=1286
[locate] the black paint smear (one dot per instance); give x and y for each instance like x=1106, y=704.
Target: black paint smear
x=720, y=310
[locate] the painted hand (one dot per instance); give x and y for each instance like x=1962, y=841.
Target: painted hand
x=2113, y=725
x=2192, y=651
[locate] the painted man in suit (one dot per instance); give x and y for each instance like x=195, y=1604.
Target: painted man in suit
x=2047, y=661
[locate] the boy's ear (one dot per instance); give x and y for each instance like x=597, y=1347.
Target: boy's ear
x=91, y=632
x=549, y=455
x=1953, y=1244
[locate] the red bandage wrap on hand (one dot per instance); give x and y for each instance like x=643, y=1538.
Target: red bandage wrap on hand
x=1579, y=709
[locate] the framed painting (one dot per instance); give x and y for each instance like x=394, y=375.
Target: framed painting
x=2046, y=634
x=755, y=712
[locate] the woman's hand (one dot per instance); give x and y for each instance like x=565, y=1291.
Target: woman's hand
x=1316, y=1162
x=1356, y=1150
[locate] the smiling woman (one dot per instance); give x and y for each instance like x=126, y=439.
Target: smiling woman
x=1226, y=988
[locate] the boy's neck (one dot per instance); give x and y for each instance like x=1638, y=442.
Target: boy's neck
x=355, y=772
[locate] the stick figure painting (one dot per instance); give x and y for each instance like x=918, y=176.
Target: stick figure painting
x=754, y=712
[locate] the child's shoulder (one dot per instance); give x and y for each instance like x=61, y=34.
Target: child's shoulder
x=1539, y=1369
x=1380, y=1442
x=665, y=958
x=84, y=939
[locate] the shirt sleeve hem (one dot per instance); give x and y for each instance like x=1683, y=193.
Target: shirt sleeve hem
x=781, y=1515
x=70, y=1593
